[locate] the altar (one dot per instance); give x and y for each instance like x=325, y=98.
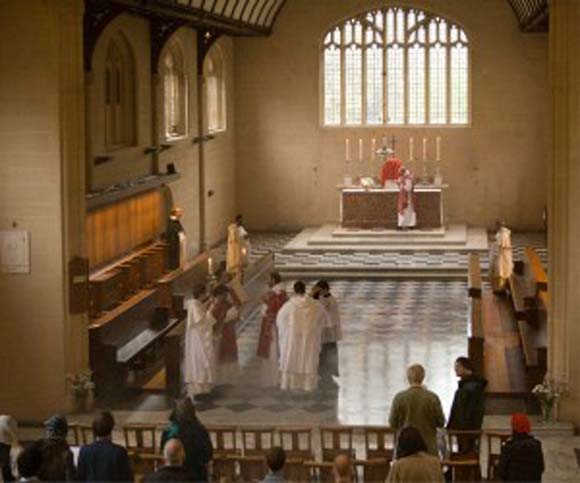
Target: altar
x=377, y=207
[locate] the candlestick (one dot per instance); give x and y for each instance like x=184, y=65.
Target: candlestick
x=210, y=265
x=360, y=149
x=347, y=149
x=438, y=157
x=424, y=149
x=373, y=156
x=411, y=149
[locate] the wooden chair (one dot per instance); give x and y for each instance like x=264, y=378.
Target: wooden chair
x=495, y=441
x=374, y=469
x=463, y=452
x=257, y=441
x=335, y=440
x=379, y=442
x=225, y=450
x=252, y=468
x=144, y=464
x=140, y=438
x=319, y=472
x=297, y=443
x=81, y=434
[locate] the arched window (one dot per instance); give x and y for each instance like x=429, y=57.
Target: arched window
x=215, y=92
x=120, y=118
x=174, y=93
x=395, y=66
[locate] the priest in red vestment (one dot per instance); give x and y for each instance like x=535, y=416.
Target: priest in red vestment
x=391, y=169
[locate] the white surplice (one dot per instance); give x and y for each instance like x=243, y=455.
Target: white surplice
x=300, y=324
x=199, y=362
x=333, y=330
x=408, y=217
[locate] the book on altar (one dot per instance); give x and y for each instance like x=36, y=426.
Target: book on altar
x=367, y=182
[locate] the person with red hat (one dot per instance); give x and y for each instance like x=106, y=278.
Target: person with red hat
x=521, y=457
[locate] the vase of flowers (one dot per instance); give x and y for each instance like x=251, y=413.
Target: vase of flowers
x=548, y=393
x=81, y=386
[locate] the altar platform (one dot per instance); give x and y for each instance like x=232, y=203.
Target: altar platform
x=333, y=251
x=337, y=238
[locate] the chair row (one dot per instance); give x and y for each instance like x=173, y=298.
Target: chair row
x=245, y=446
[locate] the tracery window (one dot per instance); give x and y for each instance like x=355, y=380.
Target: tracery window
x=215, y=92
x=395, y=66
x=174, y=93
x=120, y=117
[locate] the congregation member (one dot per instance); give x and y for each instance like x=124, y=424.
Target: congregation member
x=176, y=240
x=268, y=350
x=185, y=426
x=414, y=464
x=199, y=363
x=225, y=314
x=173, y=468
x=9, y=448
x=103, y=460
x=275, y=460
x=57, y=457
x=300, y=323
x=332, y=333
x=29, y=463
x=467, y=409
x=342, y=468
x=418, y=407
x=521, y=456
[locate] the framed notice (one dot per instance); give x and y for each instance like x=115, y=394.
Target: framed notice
x=14, y=251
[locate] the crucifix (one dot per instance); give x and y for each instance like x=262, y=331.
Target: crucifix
x=393, y=143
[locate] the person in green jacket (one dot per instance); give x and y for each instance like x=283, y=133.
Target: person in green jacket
x=418, y=407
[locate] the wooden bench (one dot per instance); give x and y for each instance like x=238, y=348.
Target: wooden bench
x=475, y=340
x=539, y=276
x=127, y=338
x=104, y=292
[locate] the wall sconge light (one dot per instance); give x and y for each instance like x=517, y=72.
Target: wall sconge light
x=210, y=193
x=102, y=159
x=165, y=147
x=151, y=150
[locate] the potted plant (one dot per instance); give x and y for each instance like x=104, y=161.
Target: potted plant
x=82, y=386
x=548, y=393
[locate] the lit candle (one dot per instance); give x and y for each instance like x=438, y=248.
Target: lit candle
x=385, y=142
x=411, y=149
x=373, y=148
x=210, y=265
x=438, y=148
x=424, y=149
x=347, y=154
x=360, y=149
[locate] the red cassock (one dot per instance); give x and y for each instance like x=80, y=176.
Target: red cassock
x=273, y=301
x=228, y=349
x=391, y=170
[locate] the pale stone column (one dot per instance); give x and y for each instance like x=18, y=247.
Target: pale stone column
x=564, y=203
x=69, y=18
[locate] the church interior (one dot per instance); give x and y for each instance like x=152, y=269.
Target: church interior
x=377, y=145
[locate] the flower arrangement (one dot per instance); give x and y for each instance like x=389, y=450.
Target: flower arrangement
x=548, y=393
x=81, y=384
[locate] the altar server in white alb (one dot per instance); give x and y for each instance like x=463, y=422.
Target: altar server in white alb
x=238, y=249
x=199, y=363
x=300, y=324
x=406, y=203
x=502, y=260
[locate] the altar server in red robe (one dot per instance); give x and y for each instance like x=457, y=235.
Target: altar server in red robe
x=391, y=169
x=225, y=314
x=268, y=350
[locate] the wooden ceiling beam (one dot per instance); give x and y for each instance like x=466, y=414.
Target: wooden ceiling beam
x=192, y=16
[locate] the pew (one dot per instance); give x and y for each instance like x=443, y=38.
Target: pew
x=539, y=276
x=475, y=341
x=128, y=337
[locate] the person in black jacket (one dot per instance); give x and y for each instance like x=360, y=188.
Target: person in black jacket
x=174, y=456
x=103, y=460
x=57, y=458
x=468, y=404
x=185, y=426
x=521, y=457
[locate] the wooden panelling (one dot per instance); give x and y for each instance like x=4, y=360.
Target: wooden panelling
x=116, y=229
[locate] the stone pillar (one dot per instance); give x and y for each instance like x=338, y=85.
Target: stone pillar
x=564, y=203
